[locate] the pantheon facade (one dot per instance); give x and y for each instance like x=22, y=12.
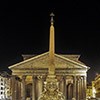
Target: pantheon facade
x=28, y=76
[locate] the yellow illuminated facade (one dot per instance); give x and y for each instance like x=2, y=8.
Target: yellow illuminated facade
x=93, y=90
x=4, y=86
x=97, y=85
x=89, y=91
x=67, y=70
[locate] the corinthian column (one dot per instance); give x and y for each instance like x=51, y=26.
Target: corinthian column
x=23, y=88
x=65, y=90
x=74, y=87
x=39, y=85
x=13, y=87
x=84, y=87
x=16, y=90
x=62, y=85
x=81, y=96
x=19, y=90
x=33, y=88
x=77, y=89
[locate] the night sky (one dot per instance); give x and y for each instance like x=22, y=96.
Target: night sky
x=24, y=29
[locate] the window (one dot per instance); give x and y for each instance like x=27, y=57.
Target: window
x=1, y=88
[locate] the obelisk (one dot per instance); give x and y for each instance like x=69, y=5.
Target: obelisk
x=51, y=47
x=51, y=91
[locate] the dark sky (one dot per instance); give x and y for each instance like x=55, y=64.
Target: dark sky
x=24, y=29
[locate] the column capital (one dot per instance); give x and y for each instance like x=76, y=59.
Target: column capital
x=40, y=77
x=23, y=77
x=78, y=78
x=84, y=77
x=33, y=77
x=74, y=76
x=60, y=77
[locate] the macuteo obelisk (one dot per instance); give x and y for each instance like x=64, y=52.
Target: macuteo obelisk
x=51, y=47
x=51, y=91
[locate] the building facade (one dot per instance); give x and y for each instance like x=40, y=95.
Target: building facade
x=97, y=86
x=4, y=86
x=70, y=72
x=89, y=91
x=93, y=90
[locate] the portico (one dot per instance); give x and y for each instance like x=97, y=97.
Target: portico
x=72, y=81
x=70, y=72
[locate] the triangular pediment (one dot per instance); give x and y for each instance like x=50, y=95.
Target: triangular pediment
x=42, y=61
